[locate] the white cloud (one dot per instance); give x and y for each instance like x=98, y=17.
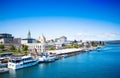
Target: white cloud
x=108, y=36
x=103, y=36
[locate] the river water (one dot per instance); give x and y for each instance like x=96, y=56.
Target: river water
x=95, y=64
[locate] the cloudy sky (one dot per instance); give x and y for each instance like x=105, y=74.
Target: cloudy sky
x=76, y=19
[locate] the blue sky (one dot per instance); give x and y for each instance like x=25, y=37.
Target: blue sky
x=76, y=19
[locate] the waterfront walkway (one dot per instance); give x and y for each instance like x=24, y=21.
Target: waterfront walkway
x=72, y=50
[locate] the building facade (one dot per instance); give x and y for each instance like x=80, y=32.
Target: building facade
x=6, y=38
x=38, y=47
x=43, y=46
x=62, y=39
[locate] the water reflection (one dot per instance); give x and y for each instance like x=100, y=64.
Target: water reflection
x=12, y=73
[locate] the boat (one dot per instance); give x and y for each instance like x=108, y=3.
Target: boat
x=50, y=58
x=41, y=59
x=64, y=55
x=21, y=62
x=3, y=68
x=47, y=58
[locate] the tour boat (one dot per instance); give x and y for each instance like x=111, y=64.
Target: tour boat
x=21, y=62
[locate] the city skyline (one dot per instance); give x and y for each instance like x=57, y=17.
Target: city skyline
x=80, y=20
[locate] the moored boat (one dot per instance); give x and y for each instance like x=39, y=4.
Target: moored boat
x=3, y=68
x=47, y=58
x=21, y=62
x=50, y=58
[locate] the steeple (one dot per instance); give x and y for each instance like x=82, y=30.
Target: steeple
x=29, y=34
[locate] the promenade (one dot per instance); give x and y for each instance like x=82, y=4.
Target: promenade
x=72, y=50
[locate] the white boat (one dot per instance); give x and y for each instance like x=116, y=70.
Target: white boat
x=21, y=62
x=50, y=58
x=41, y=59
x=3, y=68
x=47, y=58
x=64, y=55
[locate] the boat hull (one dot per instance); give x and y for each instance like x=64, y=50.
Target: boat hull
x=3, y=70
x=19, y=66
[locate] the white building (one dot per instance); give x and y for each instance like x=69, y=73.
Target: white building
x=38, y=47
x=43, y=46
x=60, y=42
x=62, y=39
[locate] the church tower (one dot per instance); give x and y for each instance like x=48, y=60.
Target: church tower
x=29, y=34
x=43, y=43
x=42, y=39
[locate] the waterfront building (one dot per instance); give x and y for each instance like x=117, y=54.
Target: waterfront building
x=44, y=46
x=28, y=39
x=60, y=42
x=62, y=39
x=38, y=47
x=6, y=38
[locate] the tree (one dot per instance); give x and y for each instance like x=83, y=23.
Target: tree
x=38, y=41
x=69, y=46
x=26, y=53
x=76, y=46
x=2, y=46
x=18, y=50
x=52, y=48
x=24, y=47
x=12, y=47
x=101, y=43
x=94, y=44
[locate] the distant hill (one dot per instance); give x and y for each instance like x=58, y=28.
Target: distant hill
x=113, y=42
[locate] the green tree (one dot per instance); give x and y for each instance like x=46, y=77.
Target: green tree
x=76, y=46
x=38, y=41
x=12, y=47
x=2, y=46
x=25, y=48
x=18, y=50
x=94, y=44
x=52, y=48
x=26, y=53
x=69, y=46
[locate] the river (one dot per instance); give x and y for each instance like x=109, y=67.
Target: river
x=95, y=64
